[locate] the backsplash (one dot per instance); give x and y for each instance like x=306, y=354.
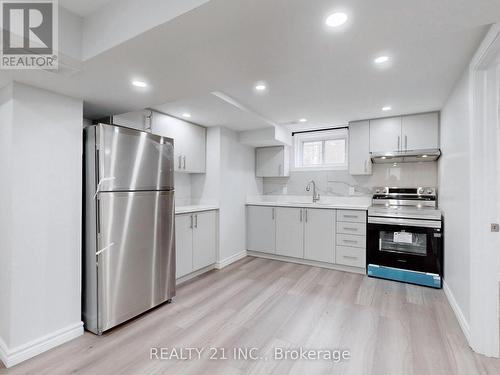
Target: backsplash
x=182, y=182
x=337, y=183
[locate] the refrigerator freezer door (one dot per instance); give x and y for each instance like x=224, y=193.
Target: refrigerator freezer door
x=136, y=254
x=133, y=160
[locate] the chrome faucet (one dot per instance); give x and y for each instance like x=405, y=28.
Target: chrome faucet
x=315, y=193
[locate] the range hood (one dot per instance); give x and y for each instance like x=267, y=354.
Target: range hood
x=406, y=156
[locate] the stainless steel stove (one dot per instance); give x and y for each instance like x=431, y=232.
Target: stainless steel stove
x=404, y=236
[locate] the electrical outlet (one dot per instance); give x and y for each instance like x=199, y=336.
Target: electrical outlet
x=495, y=227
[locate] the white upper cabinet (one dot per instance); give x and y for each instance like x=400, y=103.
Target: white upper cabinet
x=272, y=161
x=385, y=135
x=406, y=133
x=359, y=148
x=420, y=132
x=189, y=142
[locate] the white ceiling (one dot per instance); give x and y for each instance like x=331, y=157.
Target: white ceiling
x=209, y=110
x=324, y=75
x=83, y=7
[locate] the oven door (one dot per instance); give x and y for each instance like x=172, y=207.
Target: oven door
x=406, y=244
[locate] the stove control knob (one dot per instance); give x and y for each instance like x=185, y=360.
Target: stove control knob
x=429, y=191
x=420, y=191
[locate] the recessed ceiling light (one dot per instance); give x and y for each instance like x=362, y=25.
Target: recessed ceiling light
x=260, y=87
x=424, y=156
x=303, y=120
x=386, y=108
x=381, y=59
x=186, y=115
x=336, y=19
x=139, y=84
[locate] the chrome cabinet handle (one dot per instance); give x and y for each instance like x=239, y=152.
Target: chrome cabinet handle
x=349, y=257
x=184, y=162
x=399, y=141
x=353, y=229
x=191, y=226
x=365, y=166
x=406, y=142
x=350, y=241
x=273, y=212
x=180, y=161
x=301, y=214
x=279, y=170
x=351, y=216
x=306, y=214
x=196, y=221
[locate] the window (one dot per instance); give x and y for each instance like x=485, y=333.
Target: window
x=321, y=150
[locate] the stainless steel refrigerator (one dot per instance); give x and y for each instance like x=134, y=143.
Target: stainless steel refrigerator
x=129, y=242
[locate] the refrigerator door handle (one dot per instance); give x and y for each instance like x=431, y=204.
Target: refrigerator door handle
x=98, y=216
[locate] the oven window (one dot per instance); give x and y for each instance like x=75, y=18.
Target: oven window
x=403, y=242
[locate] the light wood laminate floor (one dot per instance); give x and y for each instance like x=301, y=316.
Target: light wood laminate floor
x=389, y=327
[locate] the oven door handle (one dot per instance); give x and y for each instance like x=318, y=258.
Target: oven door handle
x=404, y=222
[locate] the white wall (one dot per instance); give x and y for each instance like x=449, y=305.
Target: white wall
x=6, y=104
x=182, y=182
x=229, y=179
x=237, y=181
x=337, y=182
x=454, y=192
x=45, y=183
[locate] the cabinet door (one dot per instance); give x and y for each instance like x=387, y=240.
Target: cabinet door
x=183, y=245
x=319, y=240
x=271, y=162
x=385, y=135
x=204, y=239
x=194, y=151
x=171, y=127
x=290, y=232
x=261, y=229
x=359, y=148
x=134, y=120
x=420, y=132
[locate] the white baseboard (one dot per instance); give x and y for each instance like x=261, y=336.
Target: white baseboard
x=11, y=357
x=194, y=274
x=233, y=258
x=330, y=266
x=464, y=325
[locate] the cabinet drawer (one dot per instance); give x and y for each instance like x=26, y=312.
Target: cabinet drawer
x=351, y=228
x=351, y=240
x=351, y=256
x=351, y=216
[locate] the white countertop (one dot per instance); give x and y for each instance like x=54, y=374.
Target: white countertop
x=195, y=208
x=345, y=203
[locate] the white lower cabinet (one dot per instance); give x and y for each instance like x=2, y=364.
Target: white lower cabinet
x=261, y=229
x=351, y=256
x=195, y=241
x=319, y=239
x=183, y=245
x=323, y=235
x=290, y=232
x=204, y=239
